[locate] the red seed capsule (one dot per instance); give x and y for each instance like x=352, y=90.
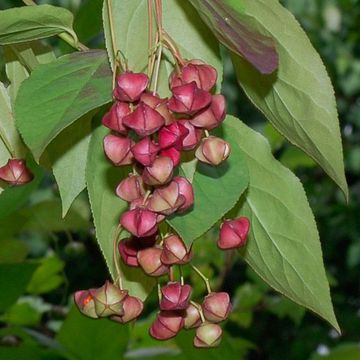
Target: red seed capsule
x=144, y=120
x=145, y=151
x=175, y=296
x=233, y=233
x=114, y=118
x=194, y=136
x=204, y=75
x=140, y=222
x=188, y=99
x=192, y=318
x=160, y=105
x=130, y=86
x=216, y=306
x=212, y=116
x=160, y=172
x=149, y=260
x=166, y=200
x=172, y=135
x=166, y=325
x=131, y=188
x=213, y=150
x=15, y=172
x=117, y=149
x=185, y=189
x=173, y=154
x=175, y=251
x=133, y=307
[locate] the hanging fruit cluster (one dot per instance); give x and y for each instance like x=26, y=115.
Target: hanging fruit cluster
x=150, y=133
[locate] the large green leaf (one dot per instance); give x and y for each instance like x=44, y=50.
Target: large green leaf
x=217, y=189
x=181, y=21
x=8, y=132
x=298, y=99
x=34, y=22
x=283, y=246
x=67, y=155
x=242, y=38
x=89, y=339
x=64, y=90
x=102, y=178
x=13, y=281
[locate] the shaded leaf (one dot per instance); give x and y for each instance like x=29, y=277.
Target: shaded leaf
x=226, y=21
x=28, y=23
x=13, y=281
x=100, y=339
x=67, y=155
x=283, y=246
x=65, y=90
x=299, y=99
x=12, y=251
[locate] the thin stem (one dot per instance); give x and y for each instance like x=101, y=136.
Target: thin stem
x=171, y=273
x=73, y=42
x=147, y=194
x=7, y=145
x=205, y=279
x=171, y=45
x=199, y=310
x=157, y=69
x=112, y=32
x=181, y=275
x=158, y=10
x=115, y=257
x=159, y=291
x=206, y=133
x=150, y=34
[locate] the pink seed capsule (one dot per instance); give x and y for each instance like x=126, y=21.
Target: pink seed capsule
x=130, y=86
x=175, y=251
x=191, y=140
x=117, y=149
x=212, y=116
x=160, y=172
x=208, y=336
x=175, y=296
x=216, y=306
x=144, y=120
x=145, y=151
x=172, y=135
x=131, y=188
x=213, y=150
x=204, y=75
x=140, y=222
x=188, y=99
x=85, y=303
x=166, y=325
x=185, y=189
x=173, y=154
x=114, y=118
x=15, y=172
x=133, y=307
x=233, y=233
x=149, y=260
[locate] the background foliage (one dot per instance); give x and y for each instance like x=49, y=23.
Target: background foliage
x=36, y=319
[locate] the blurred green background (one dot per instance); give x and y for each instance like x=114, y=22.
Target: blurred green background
x=44, y=259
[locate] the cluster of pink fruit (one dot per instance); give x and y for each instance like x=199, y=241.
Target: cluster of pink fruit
x=150, y=133
x=15, y=172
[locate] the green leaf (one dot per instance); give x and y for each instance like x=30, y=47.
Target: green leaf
x=283, y=246
x=298, y=99
x=217, y=188
x=23, y=58
x=347, y=351
x=64, y=90
x=67, y=155
x=47, y=276
x=44, y=217
x=8, y=133
x=13, y=281
x=181, y=22
x=22, y=314
x=239, y=36
x=100, y=339
x=12, y=251
x=28, y=23
x=102, y=178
